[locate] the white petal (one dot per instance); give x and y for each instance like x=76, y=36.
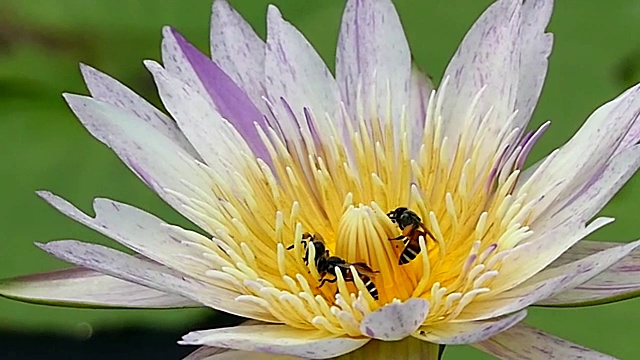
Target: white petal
x=296, y=74
x=277, y=339
x=525, y=342
x=519, y=265
x=620, y=281
x=468, y=332
x=87, y=288
x=154, y=158
x=238, y=50
x=598, y=191
x=205, y=78
x=213, y=137
x=153, y=275
x=546, y=284
x=104, y=88
x=420, y=88
x=489, y=56
x=137, y=230
x=395, y=320
x=373, y=54
x=586, y=154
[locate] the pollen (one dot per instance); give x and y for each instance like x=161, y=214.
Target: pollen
x=308, y=236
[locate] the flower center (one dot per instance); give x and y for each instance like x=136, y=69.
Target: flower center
x=315, y=239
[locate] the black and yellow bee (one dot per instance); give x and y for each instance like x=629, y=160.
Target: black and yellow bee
x=327, y=265
x=412, y=228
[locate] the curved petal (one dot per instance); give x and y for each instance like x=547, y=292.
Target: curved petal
x=104, y=88
x=420, y=88
x=139, y=231
x=216, y=140
x=209, y=81
x=525, y=342
x=238, y=51
x=619, y=282
x=505, y=53
x=373, y=61
x=407, y=349
x=155, y=159
x=468, y=332
x=396, y=320
x=153, y=275
x=277, y=339
x=80, y=287
x=585, y=155
x=546, y=284
x=298, y=79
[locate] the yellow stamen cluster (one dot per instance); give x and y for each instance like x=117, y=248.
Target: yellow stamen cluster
x=341, y=189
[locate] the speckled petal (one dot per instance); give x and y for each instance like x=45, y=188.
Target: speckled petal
x=523, y=342
x=297, y=78
x=619, y=282
x=105, y=88
x=154, y=158
x=395, y=320
x=238, y=51
x=546, y=284
x=137, y=230
x=153, y=275
x=80, y=287
x=373, y=56
x=276, y=339
x=420, y=88
x=209, y=81
x=468, y=332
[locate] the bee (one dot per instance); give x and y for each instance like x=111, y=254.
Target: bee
x=327, y=264
x=412, y=228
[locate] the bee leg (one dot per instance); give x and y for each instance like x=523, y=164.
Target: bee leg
x=327, y=280
x=397, y=238
x=291, y=247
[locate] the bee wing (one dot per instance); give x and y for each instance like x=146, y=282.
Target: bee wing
x=429, y=233
x=364, y=269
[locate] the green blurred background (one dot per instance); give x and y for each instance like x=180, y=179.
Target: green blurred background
x=42, y=146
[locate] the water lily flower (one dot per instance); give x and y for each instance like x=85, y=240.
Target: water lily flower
x=269, y=153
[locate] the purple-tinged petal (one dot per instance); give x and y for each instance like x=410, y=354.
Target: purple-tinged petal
x=298, y=79
x=619, y=282
x=519, y=266
x=525, y=342
x=104, y=88
x=157, y=160
x=139, y=231
x=373, y=61
x=238, y=51
x=276, y=339
x=468, y=332
x=586, y=154
x=80, y=287
x=207, y=79
x=546, y=284
x=395, y=320
x=420, y=88
x=215, y=139
x=597, y=192
x=505, y=54
x=146, y=273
